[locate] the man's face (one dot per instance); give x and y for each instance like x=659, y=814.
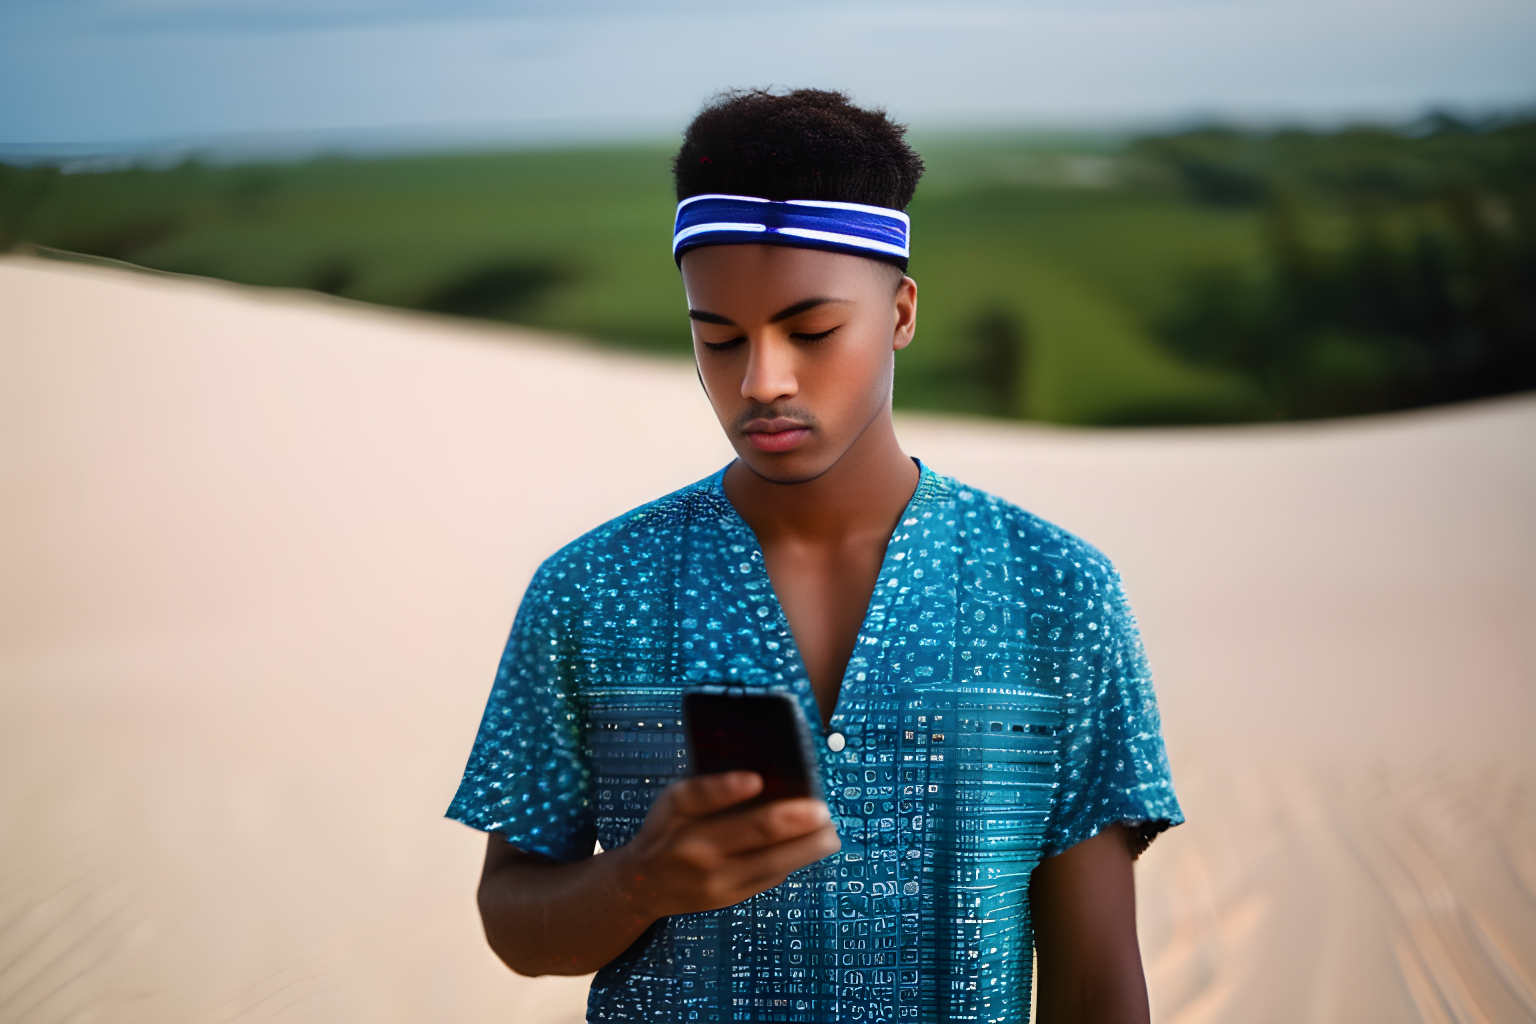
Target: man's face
x=796, y=349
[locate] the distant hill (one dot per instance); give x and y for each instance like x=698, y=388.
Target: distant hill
x=1205, y=276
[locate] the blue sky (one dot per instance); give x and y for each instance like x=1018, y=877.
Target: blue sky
x=125, y=71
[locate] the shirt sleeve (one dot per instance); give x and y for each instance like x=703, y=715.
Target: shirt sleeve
x=1114, y=765
x=527, y=776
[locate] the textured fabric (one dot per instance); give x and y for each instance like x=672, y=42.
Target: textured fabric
x=997, y=709
x=852, y=228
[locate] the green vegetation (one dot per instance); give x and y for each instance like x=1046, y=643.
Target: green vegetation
x=567, y=240
x=1400, y=270
x=1203, y=277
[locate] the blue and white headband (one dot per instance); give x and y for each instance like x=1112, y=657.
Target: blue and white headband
x=852, y=228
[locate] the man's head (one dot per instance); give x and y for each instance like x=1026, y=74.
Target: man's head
x=796, y=344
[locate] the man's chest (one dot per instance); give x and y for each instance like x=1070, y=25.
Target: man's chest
x=946, y=727
x=824, y=590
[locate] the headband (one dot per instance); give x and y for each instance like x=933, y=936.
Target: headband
x=851, y=228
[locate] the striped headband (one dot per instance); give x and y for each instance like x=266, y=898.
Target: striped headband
x=851, y=228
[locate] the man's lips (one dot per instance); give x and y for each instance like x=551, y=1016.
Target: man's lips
x=776, y=435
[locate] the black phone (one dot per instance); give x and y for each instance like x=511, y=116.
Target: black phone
x=736, y=728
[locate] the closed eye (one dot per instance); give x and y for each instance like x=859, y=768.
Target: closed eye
x=721, y=346
x=813, y=337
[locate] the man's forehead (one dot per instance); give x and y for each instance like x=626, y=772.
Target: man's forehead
x=763, y=280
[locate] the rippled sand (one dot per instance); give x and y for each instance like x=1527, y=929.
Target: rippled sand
x=260, y=551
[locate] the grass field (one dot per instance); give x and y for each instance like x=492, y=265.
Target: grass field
x=1082, y=271
x=1045, y=265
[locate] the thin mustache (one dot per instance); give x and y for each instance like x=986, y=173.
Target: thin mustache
x=774, y=412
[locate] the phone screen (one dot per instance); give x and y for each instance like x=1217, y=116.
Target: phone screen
x=734, y=729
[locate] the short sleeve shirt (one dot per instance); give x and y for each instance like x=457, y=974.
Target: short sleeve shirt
x=997, y=709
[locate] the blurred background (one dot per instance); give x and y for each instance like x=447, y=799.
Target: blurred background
x=323, y=323
x=1136, y=213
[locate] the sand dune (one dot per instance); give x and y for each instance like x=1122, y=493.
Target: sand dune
x=260, y=551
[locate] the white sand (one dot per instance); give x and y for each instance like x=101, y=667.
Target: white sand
x=259, y=552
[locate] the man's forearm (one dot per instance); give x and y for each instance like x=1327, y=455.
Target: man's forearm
x=1083, y=903
x=545, y=918
x=694, y=852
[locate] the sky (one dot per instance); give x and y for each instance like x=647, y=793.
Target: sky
x=121, y=72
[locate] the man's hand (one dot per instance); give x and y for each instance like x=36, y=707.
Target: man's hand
x=693, y=853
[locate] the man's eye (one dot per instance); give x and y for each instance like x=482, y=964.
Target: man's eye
x=721, y=346
x=800, y=336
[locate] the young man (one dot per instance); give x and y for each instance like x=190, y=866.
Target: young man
x=989, y=740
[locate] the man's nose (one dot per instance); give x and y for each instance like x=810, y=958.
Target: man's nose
x=770, y=370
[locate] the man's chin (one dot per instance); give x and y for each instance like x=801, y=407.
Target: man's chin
x=792, y=467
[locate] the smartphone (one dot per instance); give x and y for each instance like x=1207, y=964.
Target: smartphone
x=735, y=728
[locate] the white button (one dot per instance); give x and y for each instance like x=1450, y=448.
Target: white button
x=836, y=742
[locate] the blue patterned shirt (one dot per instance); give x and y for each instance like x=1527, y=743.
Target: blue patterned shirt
x=997, y=709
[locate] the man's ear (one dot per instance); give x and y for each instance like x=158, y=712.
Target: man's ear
x=906, y=313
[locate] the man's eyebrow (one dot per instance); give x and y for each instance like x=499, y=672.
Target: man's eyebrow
x=706, y=317
x=800, y=307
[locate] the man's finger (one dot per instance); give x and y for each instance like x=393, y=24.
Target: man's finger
x=763, y=869
x=764, y=826
x=704, y=795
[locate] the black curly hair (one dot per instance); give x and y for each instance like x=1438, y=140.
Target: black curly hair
x=803, y=144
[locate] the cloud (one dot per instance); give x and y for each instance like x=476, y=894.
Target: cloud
x=74, y=70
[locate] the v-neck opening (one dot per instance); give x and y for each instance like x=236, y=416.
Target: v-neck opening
x=927, y=481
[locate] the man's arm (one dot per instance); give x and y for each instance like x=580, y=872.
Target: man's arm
x=693, y=853
x=1083, y=902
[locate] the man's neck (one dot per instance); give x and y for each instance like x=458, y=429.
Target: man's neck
x=864, y=492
